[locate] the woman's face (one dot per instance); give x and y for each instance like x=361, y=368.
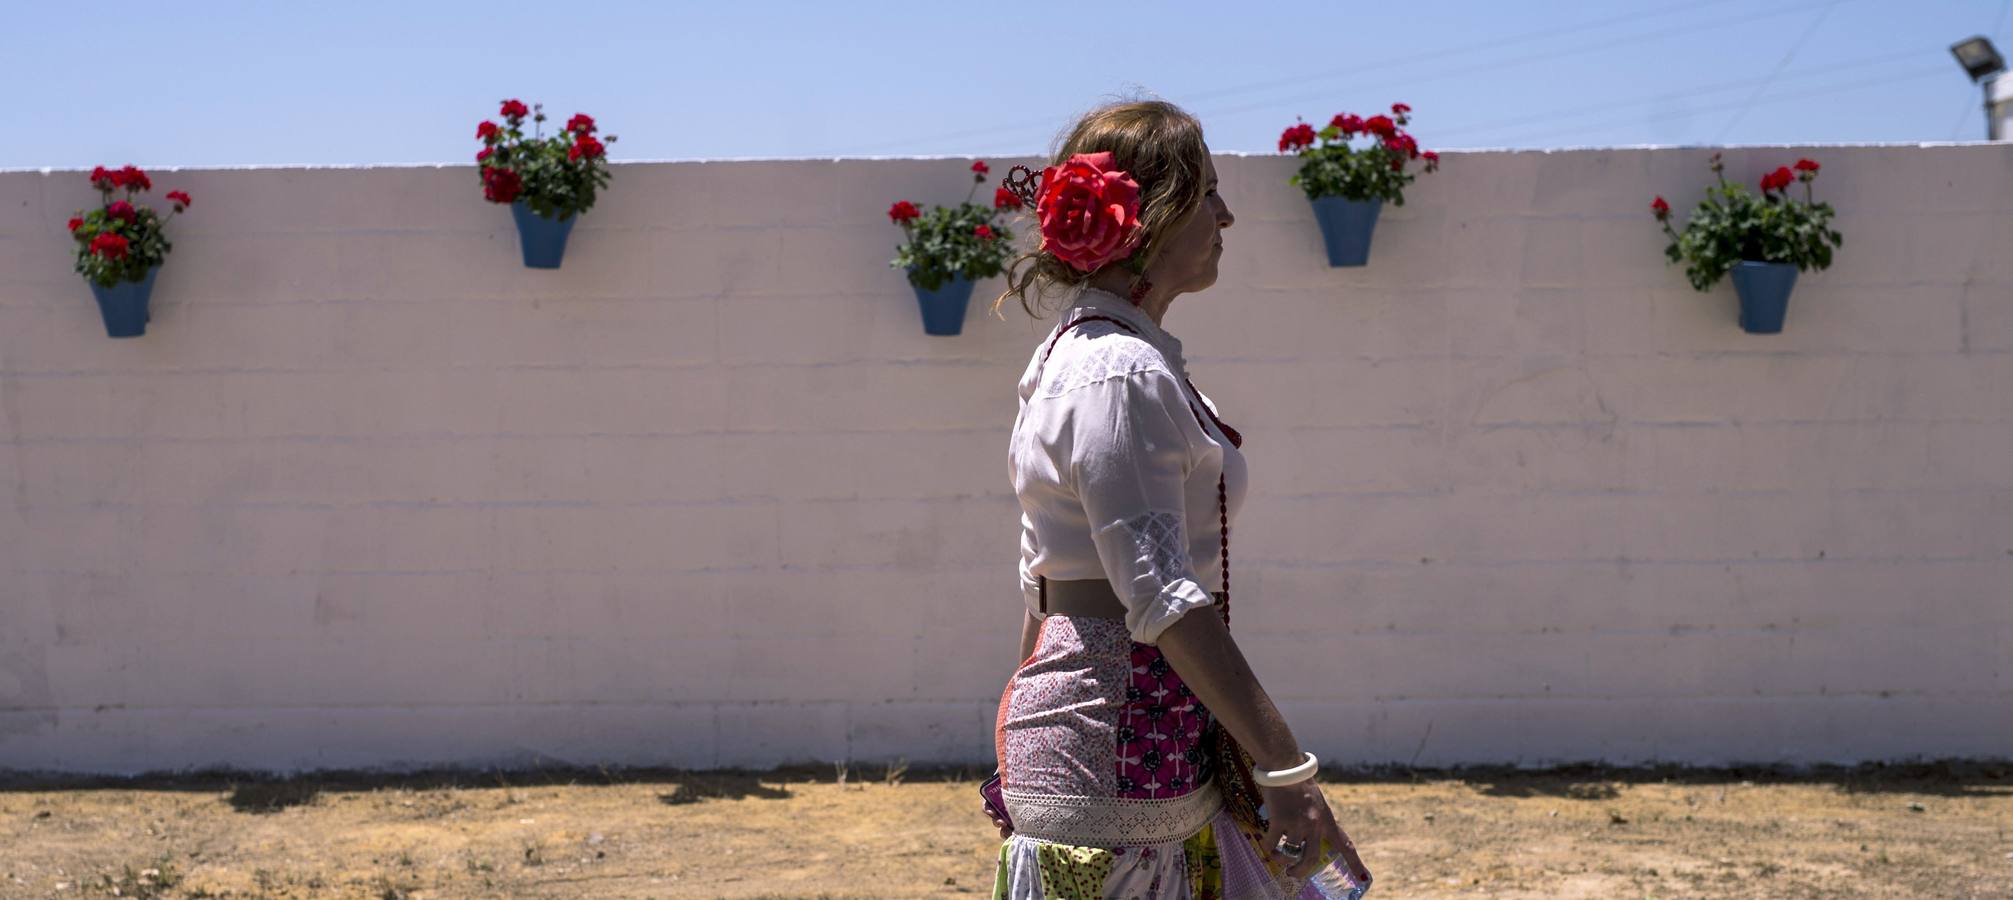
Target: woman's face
x=1188, y=262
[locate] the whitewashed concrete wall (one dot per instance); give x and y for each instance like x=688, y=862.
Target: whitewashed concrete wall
x=371, y=494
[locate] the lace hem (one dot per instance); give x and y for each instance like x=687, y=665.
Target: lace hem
x=1111, y=821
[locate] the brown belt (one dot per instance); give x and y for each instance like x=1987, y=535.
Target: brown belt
x=1090, y=598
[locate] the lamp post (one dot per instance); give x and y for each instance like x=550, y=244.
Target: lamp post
x=1983, y=63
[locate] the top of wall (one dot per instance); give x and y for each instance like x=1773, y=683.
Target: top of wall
x=896, y=158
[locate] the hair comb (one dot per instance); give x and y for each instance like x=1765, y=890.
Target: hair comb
x=1024, y=183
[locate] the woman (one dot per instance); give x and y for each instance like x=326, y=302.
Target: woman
x=1128, y=484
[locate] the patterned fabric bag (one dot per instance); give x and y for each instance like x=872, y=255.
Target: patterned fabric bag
x=1231, y=765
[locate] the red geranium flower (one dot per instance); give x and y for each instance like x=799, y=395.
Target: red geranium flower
x=501, y=185
x=1806, y=165
x=514, y=109
x=1297, y=137
x=980, y=167
x=122, y=211
x=984, y=231
x=1662, y=209
x=487, y=130
x=484, y=153
x=1430, y=156
x=1349, y=123
x=581, y=122
x=134, y=179
x=1381, y=126
x=1005, y=199
x=76, y=224
x=1399, y=109
x=585, y=147
x=181, y=199
x=1403, y=145
x=109, y=246
x=903, y=211
x=1777, y=180
x=105, y=179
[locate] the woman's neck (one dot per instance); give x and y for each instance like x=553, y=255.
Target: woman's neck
x=1119, y=281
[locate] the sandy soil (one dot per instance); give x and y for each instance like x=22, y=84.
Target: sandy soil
x=1941, y=831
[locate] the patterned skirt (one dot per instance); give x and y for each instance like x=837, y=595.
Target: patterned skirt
x=1100, y=747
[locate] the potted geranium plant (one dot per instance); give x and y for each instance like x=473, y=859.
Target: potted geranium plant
x=548, y=181
x=120, y=248
x=1762, y=241
x=1349, y=184
x=949, y=248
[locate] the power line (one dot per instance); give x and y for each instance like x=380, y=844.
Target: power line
x=1779, y=65
x=1049, y=123
x=1580, y=111
x=1916, y=75
x=1490, y=44
x=1718, y=25
x=1970, y=109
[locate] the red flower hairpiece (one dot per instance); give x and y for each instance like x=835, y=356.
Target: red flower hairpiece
x=1089, y=209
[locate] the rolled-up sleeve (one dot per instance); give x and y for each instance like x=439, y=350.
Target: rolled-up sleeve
x=1129, y=460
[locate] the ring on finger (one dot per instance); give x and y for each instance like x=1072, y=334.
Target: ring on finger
x=1291, y=848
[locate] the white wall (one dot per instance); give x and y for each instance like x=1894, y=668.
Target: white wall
x=369, y=493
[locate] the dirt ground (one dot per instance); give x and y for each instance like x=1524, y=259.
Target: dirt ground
x=1930, y=831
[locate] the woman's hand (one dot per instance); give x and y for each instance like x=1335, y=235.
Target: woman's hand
x=1298, y=813
x=988, y=792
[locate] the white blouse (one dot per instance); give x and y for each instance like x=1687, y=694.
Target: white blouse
x=1116, y=477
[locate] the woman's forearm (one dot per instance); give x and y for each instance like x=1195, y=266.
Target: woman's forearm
x=1030, y=630
x=1200, y=649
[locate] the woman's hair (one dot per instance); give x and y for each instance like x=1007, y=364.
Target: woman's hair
x=1161, y=146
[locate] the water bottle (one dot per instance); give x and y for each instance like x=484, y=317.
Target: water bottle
x=1336, y=882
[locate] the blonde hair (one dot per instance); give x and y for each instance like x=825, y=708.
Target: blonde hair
x=1161, y=146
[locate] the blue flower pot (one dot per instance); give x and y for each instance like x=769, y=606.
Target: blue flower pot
x=1764, y=294
x=124, y=305
x=944, y=308
x=544, y=239
x=1346, y=226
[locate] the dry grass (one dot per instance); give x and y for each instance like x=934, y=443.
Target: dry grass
x=1941, y=831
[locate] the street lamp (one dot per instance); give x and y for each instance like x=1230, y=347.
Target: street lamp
x=1983, y=63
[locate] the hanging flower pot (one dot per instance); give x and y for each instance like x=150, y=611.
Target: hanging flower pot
x=120, y=248
x=949, y=248
x=1764, y=289
x=944, y=308
x=1349, y=184
x=1346, y=226
x=1761, y=241
x=549, y=182
x=543, y=238
x=124, y=305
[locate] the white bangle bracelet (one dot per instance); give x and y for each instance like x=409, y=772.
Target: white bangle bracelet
x=1284, y=777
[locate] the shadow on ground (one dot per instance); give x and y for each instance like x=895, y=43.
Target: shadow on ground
x=258, y=793
x=1951, y=778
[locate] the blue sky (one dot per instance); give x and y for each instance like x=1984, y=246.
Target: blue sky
x=252, y=83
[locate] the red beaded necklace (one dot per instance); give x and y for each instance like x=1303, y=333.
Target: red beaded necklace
x=1198, y=408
